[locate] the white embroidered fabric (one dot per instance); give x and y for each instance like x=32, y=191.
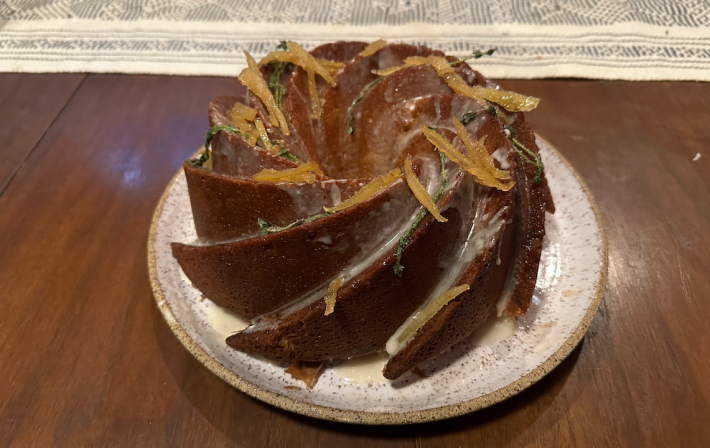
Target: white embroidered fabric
x=607, y=39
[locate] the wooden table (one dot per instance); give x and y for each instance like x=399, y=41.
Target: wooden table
x=87, y=360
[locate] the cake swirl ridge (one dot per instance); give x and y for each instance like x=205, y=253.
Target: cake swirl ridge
x=274, y=251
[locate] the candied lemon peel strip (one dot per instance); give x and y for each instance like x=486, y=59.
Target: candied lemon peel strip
x=252, y=79
x=482, y=176
x=430, y=311
x=263, y=136
x=476, y=151
x=411, y=61
x=298, y=56
x=373, y=48
x=242, y=119
x=243, y=112
x=511, y=101
x=367, y=191
x=305, y=173
x=331, y=66
x=419, y=191
x=332, y=294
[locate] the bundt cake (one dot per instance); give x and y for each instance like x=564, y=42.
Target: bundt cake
x=362, y=198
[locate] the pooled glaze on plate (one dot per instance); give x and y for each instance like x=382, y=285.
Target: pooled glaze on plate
x=467, y=377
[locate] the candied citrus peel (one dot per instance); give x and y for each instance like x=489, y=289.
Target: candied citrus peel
x=367, y=191
x=305, y=173
x=373, y=48
x=252, y=79
x=264, y=137
x=252, y=138
x=244, y=126
x=298, y=56
x=331, y=66
x=242, y=119
x=482, y=176
x=476, y=151
x=332, y=294
x=243, y=112
x=411, y=61
x=511, y=101
x=430, y=311
x=306, y=371
x=419, y=191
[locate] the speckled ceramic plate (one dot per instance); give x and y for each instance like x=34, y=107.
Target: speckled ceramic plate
x=473, y=375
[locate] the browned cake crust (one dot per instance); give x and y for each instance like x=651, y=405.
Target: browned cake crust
x=298, y=260
x=281, y=278
x=368, y=309
x=228, y=208
x=532, y=199
x=460, y=317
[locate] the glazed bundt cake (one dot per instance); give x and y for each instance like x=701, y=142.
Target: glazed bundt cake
x=363, y=198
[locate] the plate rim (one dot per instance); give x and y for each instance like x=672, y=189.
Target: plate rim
x=381, y=418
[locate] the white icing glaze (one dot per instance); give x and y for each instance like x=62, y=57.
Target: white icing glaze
x=363, y=369
x=335, y=194
x=326, y=239
x=224, y=322
x=507, y=293
x=373, y=248
x=368, y=369
x=501, y=155
x=466, y=371
x=494, y=329
x=391, y=91
x=481, y=235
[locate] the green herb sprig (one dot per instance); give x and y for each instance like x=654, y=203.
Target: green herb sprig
x=277, y=89
x=204, y=157
x=208, y=143
x=351, y=109
x=404, y=240
x=468, y=117
x=267, y=227
x=283, y=151
x=527, y=155
x=476, y=55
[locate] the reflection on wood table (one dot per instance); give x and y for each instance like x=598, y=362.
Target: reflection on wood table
x=87, y=360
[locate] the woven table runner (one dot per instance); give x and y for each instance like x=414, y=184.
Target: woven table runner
x=606, y=39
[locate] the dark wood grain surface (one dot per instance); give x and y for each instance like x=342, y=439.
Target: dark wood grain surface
x=28, y=106
x=87, y=360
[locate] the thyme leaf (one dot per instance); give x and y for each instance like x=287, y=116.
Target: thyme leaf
x=201, y=161
x=267, y=227
x=208, y=143
x=283, y=151
x=468, y=117
x=404, y=240
x=277, y=89
x=492, y=110
x=286, y=154
x=264, y=225
x=530, y=157
x=476, y=55
x=357, y=100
